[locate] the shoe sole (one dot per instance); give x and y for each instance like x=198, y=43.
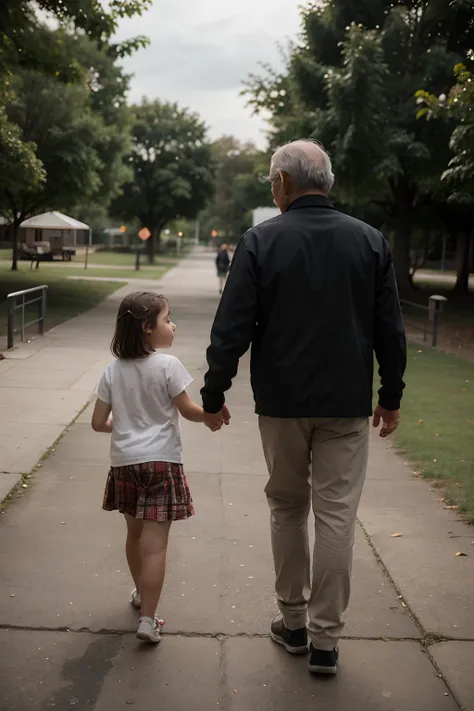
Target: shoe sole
x=289, y=649
x=316, y=669
x=144, y=637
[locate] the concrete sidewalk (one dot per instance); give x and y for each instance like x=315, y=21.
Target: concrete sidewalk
x=67, y=630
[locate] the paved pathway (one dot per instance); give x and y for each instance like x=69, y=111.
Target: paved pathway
x=67, y=631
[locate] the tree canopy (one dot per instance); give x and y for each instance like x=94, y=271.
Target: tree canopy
x=172, y=168
x=240, y=171
x=64, y=125
x=350, y=82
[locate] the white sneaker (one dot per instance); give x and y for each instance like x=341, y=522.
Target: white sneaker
x=136, y=600
x=149, y=630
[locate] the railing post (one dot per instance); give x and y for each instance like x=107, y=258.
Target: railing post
x=22, y=328
x=11, y=319
x=436, y=304
x=13, y=305
x=42, y=311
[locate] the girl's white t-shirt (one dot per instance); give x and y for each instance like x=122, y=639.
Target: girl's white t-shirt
x=145, y=420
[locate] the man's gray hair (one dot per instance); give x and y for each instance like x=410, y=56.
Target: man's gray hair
x=307, y=164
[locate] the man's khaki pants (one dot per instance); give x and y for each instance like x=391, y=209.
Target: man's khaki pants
x=322, y=461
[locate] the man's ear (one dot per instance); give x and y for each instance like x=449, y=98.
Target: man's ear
x=285, y=182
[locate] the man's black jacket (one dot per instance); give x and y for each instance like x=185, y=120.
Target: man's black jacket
x=314, y=292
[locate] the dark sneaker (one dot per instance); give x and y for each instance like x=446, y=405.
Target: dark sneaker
x=294, y=641
x=323, y=662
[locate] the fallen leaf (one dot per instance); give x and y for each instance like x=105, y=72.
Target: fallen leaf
x=397, y=535
x=420, y=351
x=451, y=507
x=464, y=390
x=420, y=422
x=436, y=434
x=460, y=554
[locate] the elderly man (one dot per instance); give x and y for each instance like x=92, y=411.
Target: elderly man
x=314, y=292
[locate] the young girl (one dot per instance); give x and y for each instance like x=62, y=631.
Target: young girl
x=138, y=401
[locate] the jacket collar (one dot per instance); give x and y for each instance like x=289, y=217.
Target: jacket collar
x=311, y=201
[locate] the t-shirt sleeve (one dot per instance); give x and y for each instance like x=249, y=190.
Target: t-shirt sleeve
x=178, y=378
x=102, y=389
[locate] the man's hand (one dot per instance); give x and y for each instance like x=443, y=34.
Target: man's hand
x=390, y=420
x=225, y=415
x=215, y=422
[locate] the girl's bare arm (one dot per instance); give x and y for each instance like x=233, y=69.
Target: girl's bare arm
x=188, y=409
x=101, y=417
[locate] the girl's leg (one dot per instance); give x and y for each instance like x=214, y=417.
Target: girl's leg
x=154, y=542
x=133, y=548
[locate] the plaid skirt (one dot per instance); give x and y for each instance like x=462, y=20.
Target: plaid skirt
x=154, y=491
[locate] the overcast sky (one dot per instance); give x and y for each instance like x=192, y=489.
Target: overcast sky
x=200, y=52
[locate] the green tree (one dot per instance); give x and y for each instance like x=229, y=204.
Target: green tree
x=26, y=42
x=79, y=133
x=240, y=186
x=172, y=168
x=350, y=82
x=55, y=118
x=107, y=86
x=458, y=105
x=20, y=169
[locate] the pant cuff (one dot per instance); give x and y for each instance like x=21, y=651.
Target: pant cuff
x=325, y=645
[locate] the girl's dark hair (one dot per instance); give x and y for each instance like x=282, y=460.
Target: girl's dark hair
x=137, y=311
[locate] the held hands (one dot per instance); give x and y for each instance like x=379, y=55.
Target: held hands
x=390, y=420
x=215, y=422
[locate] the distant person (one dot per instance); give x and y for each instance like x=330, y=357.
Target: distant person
x=138, y=400
x=314, y=292
x=223, y=265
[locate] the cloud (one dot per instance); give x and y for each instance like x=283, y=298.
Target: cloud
x=201, y=53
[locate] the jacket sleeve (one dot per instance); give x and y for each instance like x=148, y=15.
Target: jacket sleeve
x=233, y=328
x=389, y=334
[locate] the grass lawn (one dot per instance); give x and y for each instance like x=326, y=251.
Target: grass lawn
x=117, y=265
x=66, y=298
x=119, y=259
x=437, y=429
x=150, y=274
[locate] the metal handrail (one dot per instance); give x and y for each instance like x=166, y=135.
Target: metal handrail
x=14, y=306
x=433, y=311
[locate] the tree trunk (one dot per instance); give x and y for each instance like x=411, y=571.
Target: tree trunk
x=401, y=252
x=403, y=213
x=153, y=243
x=150, y=248
x=463, y=243
x=16, y=227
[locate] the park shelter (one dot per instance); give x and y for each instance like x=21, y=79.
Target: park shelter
x=57, y=229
